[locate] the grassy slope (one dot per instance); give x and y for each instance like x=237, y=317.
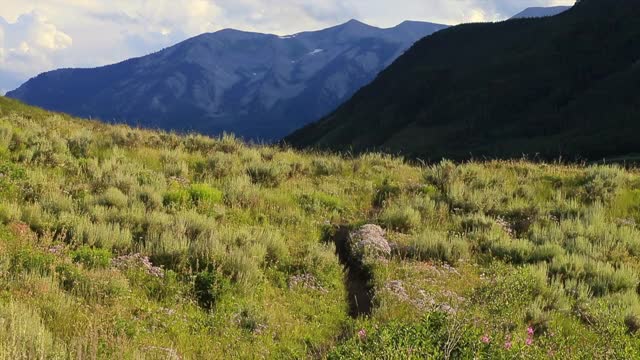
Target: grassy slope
x=482, y=249
x=559, y=86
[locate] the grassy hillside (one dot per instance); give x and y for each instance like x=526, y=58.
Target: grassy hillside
x=561, y=86
x=117, y=242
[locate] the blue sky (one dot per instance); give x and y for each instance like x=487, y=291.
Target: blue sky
x=41, y=35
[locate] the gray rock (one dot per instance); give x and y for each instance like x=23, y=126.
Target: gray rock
x=369, y=242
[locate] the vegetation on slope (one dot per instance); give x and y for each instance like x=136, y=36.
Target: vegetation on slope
x=117, y=242
x=560, y=86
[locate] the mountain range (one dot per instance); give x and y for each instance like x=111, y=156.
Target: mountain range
x=258, y=86
x=567, y=85
x=538, y=12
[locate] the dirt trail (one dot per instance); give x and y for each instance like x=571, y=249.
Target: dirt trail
x=356, y=278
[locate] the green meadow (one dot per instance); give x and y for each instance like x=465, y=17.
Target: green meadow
x=125, y=243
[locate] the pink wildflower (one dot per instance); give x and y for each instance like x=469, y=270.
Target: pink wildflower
x=507, y=345
x=486, y=339
x=362, y=334
x=530, y=331
x=529, y=341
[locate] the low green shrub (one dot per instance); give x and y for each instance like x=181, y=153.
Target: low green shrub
x=632, y=322
x=38, y=219
x=401, y=218
x=80, y=143
x=514, y=251
x=317, y=201
x=24, y=334
x=208, y=286
x=439, y=246
x=92, y=258
x=242, y=268
x=113, y=197
x=545, y=252
x=9, y=212
x=325, y=167
x=385, y=192
x=28, y=260
x=177, y=198
x=601, y=183
x=268, y=175
x=204, y=194
x=150, y=198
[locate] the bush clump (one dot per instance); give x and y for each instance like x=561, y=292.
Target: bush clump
x=203, y=194
x=28, y=260
x=176, y=198
x=267, y=175
x=439, y=246
x=113, y=197
x=401, y=218
x=208, y=286
x=92, y=258
x=384, y=192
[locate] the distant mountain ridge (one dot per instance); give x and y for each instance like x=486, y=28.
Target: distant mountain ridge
x=567, y=86
x=259, y=86
x=538, y=12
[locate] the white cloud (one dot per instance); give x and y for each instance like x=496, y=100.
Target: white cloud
x=28, y=45
x=39, y=35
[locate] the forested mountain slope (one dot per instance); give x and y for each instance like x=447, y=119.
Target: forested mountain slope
x=567, y=86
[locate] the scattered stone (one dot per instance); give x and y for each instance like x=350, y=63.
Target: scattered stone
x=425, y=301
x=56, y=249
x=447, y=308
x=626, y=222
x=422, y=302
x=137, y=261
x=169, y=352
x=168, y=311
x=453, y=296
x=506, y=226
x=369, y=241
x=259, y=329
x=396, y=287
x=306, y=281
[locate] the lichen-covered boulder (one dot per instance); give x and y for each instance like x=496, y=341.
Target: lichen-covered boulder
x=369, y=242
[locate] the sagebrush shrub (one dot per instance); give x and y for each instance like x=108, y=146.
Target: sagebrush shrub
x=25, y=335
x=208, y=287
x=325, y=167
x=92, y=258
x=9, y=212
x=29, y=260
x=401, y=218
x=113, y=197
x=268, y=175
x=150, y=198
x=601, y=183
x=177, y=198
x=384, y=192
x=204, y=194
x=439, y=246
x=318, y=201
x=79, y=144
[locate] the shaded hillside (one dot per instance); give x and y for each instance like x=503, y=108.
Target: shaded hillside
x=560, y=86
x=258, y=86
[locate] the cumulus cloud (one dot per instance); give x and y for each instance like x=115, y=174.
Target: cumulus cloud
x=39, y=35
x=29, y=45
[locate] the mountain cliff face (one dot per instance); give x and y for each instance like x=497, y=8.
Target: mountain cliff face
x=567, y=85
x=258, y=86
x=538, y=12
